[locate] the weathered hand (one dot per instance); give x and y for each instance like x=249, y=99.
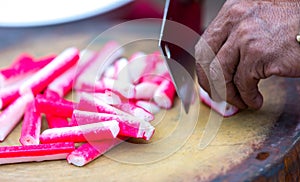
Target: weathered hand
x=251, y=40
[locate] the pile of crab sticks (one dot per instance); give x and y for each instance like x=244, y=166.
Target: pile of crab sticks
x=117, y=104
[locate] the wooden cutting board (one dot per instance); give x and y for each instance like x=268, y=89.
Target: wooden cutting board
x=250, y=146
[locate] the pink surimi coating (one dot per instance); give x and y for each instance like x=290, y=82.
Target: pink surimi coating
x=35, y=153
x=164, y=95
x=23, y=66
x=130, y=126
x=148, y=106
x=136, y=111
x=57, y=107
x=11, y=116
x=82, y=133
x=40, y=80
x=88, y=152
x=31, y=126
x=222, y=108
x=56, y=122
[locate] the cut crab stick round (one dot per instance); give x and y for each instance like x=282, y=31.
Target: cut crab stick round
x=129, y=126
x=11, y=116
x=222, y=108
x=24, y=66
x=87, y=152
x=57, y=107
x=40, y=80
x=31, y=126
x=56, y=122
x=136, y=111
x=82, y=133
x=35, y=153
x=148, y=106
x=164, y=95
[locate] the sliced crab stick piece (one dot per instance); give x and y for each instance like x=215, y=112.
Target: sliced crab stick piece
x=35, y=153
x=222, y=108
x=136, y=111
x=31, y=126
x=164, y=95
x=148, y=106
x=87, y=152
x=57, y=107
x=129, y=126
x=56, y=121
x=23, y=66
x=11, y=116
x=82, y=133
x=40, y=80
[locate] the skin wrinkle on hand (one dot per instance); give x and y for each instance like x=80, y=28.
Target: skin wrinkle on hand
x=252, y=40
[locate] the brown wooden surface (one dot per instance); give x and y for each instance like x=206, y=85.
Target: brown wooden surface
x=251, y=146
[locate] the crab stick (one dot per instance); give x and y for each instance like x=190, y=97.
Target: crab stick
x=31, y=126
x=56, y=121
x=148, y=106
x=23, y=66
x=87, y=152
x=222, y=108
x=11, y=116
x=40, y=80
x=129, y=126
x=135, y=110
x=164, y=94
x=109, y=53
x=57, y=107
x=82, y=133
x=35, y=153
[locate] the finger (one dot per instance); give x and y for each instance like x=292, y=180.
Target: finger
x=246, y=84
x=222, y=70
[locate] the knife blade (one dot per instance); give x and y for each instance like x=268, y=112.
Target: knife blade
x=177, y=41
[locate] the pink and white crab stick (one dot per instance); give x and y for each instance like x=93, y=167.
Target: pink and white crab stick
x=129, y=126
x=164, y=95
x=222, y=108
x=51, y=106
x=31, y=126
x=40, y=80
x=35, y=153
x=88, y=152
x=10, y=117
x=82, y=133
x=21, y=67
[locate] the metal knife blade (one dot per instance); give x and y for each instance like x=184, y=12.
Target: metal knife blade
x=177, y=41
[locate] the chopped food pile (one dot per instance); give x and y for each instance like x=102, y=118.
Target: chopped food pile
x=110, y=107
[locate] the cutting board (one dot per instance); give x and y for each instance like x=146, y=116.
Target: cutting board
x=250, y=146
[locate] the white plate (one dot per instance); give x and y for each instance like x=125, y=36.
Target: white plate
x=21, y=13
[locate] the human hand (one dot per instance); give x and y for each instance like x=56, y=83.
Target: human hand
x=252, y=40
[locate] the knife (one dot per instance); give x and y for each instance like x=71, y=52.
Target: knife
x=176, y=42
